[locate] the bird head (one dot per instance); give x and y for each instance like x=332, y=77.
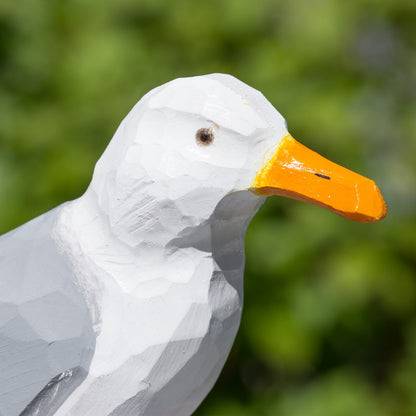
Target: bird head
x=191, y=142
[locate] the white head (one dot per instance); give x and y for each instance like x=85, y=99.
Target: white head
x=182, y=149
x=191, y=142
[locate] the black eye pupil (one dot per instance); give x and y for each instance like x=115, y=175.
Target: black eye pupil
x=204, y=136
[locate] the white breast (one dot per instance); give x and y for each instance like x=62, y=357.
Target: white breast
x=165, y=331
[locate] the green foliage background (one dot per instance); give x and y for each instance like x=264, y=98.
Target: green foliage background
x=329, y=325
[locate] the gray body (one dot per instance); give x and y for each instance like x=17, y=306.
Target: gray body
x=46, y=335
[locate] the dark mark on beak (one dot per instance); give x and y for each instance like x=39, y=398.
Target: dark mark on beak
x=322, y=176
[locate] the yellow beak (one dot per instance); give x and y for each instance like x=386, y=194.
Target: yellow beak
x=296, y=172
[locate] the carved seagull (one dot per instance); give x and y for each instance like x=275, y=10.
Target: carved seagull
x=127, y=300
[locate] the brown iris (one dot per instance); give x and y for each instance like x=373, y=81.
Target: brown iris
x=204, y=136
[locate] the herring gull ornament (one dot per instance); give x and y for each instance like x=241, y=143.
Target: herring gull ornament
x=127, y=300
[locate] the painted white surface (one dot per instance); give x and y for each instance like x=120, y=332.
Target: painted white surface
x=156, y=249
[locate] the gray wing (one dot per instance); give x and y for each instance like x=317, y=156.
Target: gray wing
x=46, y=335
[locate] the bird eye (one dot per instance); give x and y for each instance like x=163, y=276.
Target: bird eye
x=204, y=136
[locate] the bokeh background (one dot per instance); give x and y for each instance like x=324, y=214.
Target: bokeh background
x=329, y=325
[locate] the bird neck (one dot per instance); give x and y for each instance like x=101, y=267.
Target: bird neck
x=158, y=250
